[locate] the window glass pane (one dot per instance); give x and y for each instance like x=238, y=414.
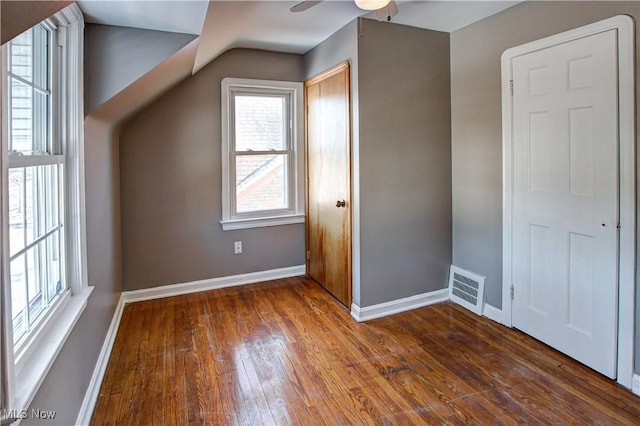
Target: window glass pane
x=17, y=225
x=41, y=57
x=34, y=281
x=34, y=204
x=53, y=259
x=31, y=210
x=52, y=198
x=261, y=183
x=40, y=123
x=22, y=55
x=18, y=297
x=21, y=102
x=260, y=123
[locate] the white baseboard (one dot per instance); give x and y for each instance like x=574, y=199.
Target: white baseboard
x=91, y=396
x=396, y=306
x=211, y=284
x=635, y=387
x=493, y=313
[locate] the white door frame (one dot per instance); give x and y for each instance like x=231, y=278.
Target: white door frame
x=627, y=189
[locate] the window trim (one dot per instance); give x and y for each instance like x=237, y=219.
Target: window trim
x=26, y=370
x=295, y=214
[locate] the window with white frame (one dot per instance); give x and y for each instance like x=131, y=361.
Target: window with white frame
x=36, y=180
x=262, y=156
x=44, y=282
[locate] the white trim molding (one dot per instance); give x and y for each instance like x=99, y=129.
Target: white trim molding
x=493, y=313
x=635, y=387
x=262, y=222
x=624, y=26
x=211, y=284
x=400, y=305
x=91, y=396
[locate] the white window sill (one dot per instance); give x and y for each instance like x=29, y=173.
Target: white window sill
x=229, y=225
x=48, y=344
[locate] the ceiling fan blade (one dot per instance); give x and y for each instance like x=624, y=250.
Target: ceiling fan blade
x=387, y=12
x=301, y=7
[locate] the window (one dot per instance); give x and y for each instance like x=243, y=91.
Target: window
x=44, y=284
x=262, y=158
x=36, y=179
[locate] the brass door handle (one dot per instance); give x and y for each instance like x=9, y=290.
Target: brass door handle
x=341, y=203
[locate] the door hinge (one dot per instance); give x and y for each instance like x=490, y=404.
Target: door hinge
x=512, y=291
x=511, y=87
x=308, y=255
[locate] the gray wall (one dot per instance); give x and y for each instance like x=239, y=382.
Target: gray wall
x=64, y=388
x=476, y=124
x=343, y=46
x=115, y=57
x=405, y=161
x=170, y=181
x=401, y=155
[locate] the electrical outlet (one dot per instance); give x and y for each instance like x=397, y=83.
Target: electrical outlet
x=237, y=247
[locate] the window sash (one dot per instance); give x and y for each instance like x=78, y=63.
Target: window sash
x=38, y=82
x=37, y=266
x=289, y=165
x=287, y=194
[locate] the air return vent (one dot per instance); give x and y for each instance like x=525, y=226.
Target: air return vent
x=466, y=289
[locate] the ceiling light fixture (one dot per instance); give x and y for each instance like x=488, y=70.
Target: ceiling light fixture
x=372, y=4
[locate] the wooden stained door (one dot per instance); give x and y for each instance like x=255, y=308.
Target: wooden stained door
x=565, y=204
x=329, y=181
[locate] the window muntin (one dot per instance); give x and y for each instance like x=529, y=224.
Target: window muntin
x=36, y=179
x=262, y=161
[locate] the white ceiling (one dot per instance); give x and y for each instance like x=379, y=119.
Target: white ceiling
x=268, y=24
x=447, y=15
x=253, y=17
x=178, y=16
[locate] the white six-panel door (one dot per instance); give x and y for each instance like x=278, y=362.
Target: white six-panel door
x=565, y=198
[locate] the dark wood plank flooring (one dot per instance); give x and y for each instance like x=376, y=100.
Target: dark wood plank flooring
x=285, y=352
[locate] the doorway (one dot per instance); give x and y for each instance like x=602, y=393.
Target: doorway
x=328, y=229
x=569, y=193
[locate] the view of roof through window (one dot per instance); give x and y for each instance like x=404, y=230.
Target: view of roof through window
x=260, y=142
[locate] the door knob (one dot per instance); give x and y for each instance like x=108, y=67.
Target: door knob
x=341, y=203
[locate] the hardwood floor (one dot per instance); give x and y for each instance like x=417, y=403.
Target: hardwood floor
x=285, y=352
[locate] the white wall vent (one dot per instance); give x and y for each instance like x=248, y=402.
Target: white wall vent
x=466, y=289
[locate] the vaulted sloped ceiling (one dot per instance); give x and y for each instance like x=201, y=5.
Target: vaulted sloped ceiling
x=269, y=25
